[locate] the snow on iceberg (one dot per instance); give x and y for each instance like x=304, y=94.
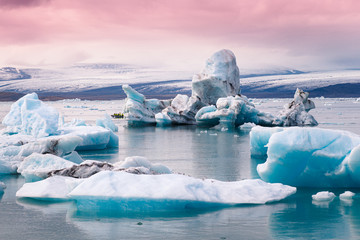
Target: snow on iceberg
x=51, y=189
x=37, y=166
x=30, y=116
x=122, y=191
x=312, y=157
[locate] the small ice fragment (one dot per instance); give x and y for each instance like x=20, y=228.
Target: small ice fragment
x=323, y=196
x=347, y=195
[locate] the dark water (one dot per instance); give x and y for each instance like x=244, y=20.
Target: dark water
x=190, y=150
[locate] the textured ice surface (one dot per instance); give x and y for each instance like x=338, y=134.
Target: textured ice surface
x=93, y=137
x=259, y=138
x=312, y=157
x=14, y=148
x=323, y=196
x=219, y=78
x=30, y=116
x=141, y=163
x=296, y=113
x=138, y=110
x=37, y=166
x=51, y=189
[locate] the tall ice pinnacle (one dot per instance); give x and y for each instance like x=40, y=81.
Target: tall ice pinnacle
x=219, y=78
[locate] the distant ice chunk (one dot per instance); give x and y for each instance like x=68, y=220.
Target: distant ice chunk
x=54, y=188
x=347, y=195
x=2, y=187
x=138, y=111
x=30, y=116
x=324, y=196
x=219, y=78
x=296, y=113
x=37, y=166
x=312, y=157
x=129, y=192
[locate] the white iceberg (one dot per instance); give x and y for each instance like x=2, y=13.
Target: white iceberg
x=312, y=157
x=347, y=195
x=138, y=110
x=37, y=166
x=30, y=116
x=130, y=192
x=51, y=189
x=141, y=164
x=324, y=196
x=219, y=78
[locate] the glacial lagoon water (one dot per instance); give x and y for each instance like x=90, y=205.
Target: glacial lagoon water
x=202, y=153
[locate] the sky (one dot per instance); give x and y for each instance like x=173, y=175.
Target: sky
x=181, y=34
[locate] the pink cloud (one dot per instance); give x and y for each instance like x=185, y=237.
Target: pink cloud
x=303, y=27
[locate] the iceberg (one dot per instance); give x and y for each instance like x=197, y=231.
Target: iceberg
x=219, y=78
x=312, y=157
x=122, y=191
x=324, y=196
x=215, y=99
x=138, y=111
x=30, y=116
x=37, y=166
x=259, y=138
x=107, y=123
x=347, y=195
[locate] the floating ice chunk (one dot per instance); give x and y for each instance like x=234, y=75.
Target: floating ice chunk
x=312, y=157
x=219, y=78
x=30, y=116
x=259, y=138
x=54, y=188
x=130, y=192
x=138, y=111
x=73, y=157
x=296, y=112
x=324, y=196
x=93, y=137
x=347, y=195
x=137, y=162
x=107, y=123
x=37, y=166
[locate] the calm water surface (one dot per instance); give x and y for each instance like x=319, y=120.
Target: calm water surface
x=201, y=153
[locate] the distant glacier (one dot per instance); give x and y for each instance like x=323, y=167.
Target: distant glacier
x=104, y=81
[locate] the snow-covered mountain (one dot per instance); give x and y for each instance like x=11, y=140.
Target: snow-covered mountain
x=104, y=81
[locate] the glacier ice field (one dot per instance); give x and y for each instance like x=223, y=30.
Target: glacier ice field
x=199, y=153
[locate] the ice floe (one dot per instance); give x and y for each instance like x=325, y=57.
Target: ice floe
x=347, y=195
x=119, y=190
x=324, y=196
x=310, y=157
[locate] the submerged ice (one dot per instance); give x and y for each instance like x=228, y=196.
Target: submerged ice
x=215, y=99
x=308, y=157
